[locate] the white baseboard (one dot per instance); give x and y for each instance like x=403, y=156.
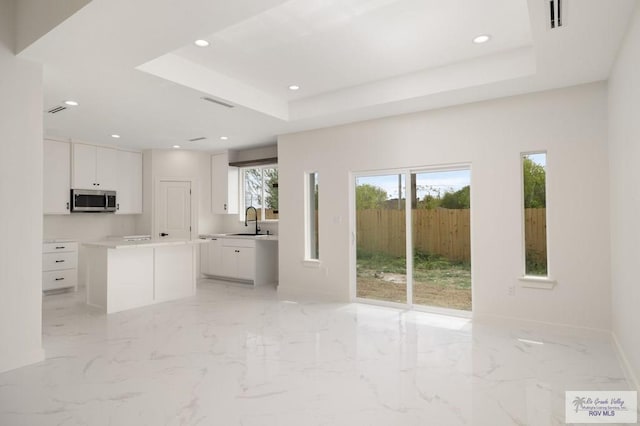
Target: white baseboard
x=306, y=296
x=626, y=366
x=16, y=360
x=479, y=317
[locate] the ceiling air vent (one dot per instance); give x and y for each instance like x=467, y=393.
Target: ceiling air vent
x=201, y=138
x=557, y=18
x=57, y=109
x=215, y=101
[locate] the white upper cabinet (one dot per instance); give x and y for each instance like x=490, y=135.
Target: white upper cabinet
x=84, y=166
x=129, y=187
x=57, y=176
x=106, y=168
x=94, y=167
x=224, y=185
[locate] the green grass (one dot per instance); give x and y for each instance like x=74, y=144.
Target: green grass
x=427, y=268
x=381, y=262
x=536, y=264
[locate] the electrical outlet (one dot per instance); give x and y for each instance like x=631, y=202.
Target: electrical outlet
x=511, y=290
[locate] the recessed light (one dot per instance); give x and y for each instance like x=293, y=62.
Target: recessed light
x=176, y=147
x=71, y=103
x=294, y=87
x=201, y=43
x=482, y=38
x=224, y=138
x=115, y=136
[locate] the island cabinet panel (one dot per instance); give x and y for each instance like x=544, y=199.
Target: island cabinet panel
x=130, y=279
x=174, y=268
x=127, y=275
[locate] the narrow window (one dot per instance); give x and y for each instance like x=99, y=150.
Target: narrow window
x=313, y=248
x=535, y=213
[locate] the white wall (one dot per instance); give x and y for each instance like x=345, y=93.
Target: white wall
x=21, y=192
x=179, y=164
x=624, y=139
x=85, y=227
x=194, y=165
x=570, y=124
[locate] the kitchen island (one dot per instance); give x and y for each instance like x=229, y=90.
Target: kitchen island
x=123, y=275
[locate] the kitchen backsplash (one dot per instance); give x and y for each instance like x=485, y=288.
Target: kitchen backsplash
x=231, y=224
x=85, y=227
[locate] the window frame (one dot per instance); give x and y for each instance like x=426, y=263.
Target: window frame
x=311, y=218
x=528, y=280
x=241, y=191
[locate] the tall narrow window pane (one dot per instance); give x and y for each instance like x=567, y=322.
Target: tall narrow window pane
x=441, y=225
x=271, y=193
x=381, y=271
x=253, y=191
x=312, y=216
x=535, y=213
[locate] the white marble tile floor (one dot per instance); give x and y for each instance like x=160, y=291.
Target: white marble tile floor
x=239, y=356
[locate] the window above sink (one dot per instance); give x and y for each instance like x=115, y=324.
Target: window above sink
x=259, y=189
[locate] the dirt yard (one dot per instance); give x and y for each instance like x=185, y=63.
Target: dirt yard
x=441, y=288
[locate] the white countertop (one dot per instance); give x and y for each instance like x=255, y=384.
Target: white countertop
x=260, y=237
x=121, y=244
x=58, y=241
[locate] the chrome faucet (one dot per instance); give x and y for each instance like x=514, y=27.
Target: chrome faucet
x=246, y=217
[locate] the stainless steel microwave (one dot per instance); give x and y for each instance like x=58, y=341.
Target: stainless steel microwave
x=93, y=201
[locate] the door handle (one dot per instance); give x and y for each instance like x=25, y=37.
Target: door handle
x=59, y=261
x=164, y=234
x=59, y=279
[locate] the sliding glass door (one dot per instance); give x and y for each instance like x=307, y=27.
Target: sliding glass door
x=381, y=271
x=434, y=233
x=441, y=236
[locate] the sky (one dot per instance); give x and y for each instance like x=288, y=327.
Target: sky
x=540, y=159
x=434, y=183
x=427, y=182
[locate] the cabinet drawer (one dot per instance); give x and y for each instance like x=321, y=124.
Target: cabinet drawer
x=59, y=279
x=238, y=242
x=58, y=261
x=59, y=247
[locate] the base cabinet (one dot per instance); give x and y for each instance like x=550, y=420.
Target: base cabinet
x=59, y=265
x=238, y=262
x=241, y=259
x=211, y=257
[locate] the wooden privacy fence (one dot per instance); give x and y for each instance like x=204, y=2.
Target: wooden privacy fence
x=535, y=221
x=442, y=232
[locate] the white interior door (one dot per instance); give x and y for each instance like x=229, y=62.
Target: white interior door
x=174, y=209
